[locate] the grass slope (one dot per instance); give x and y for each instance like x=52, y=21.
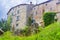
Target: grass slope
x=52, y=32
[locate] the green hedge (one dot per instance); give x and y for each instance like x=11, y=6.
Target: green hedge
x=49, y=17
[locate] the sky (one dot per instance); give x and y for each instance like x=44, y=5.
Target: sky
x=5, y=5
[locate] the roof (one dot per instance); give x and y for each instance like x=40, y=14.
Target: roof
x=43, y=3
x=58, y=3
x=16, y=6
x=28, y=4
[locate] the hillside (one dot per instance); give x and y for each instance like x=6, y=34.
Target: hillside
x=51, y=32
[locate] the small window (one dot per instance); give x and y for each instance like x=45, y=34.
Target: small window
x=51, y=8
x=18, y=11
x=43, y=10
x=36, y=12
x=12, y=14
x=17, y=19
x=46, y=4
x=16, y=25
x=34, y=8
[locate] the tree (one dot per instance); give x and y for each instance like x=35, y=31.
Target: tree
x=5, y=24
x=49, y=17
x=9, y=21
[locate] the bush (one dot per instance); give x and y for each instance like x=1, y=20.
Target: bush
x=28, y=31
x=49, y=17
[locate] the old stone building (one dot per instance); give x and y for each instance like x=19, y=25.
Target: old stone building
x=48, y=6
x=20, y=13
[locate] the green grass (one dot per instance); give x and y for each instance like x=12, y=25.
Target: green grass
x=51, y=32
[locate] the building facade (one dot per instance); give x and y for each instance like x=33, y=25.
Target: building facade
x=48, y=6
x=20, y=13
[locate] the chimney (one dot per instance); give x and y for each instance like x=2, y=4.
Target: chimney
x=30, y=2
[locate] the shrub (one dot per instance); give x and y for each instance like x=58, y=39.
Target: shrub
x=49, y=17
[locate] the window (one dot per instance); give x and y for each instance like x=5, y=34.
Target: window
x=51, y=8
x=18, y=11
x=12, y=14
x=46, y=4
x=36, y=12
x=43, y=10
x=16, y=25
x=17, y=18
x=34, y=8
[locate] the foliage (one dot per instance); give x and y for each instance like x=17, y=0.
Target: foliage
x=33, y=29
x=9, y=21
x=5, y=24
x=49, y=17
x=29, y=21
x=9, y=36
x=52, y=32
x=40, y=28
x=24, y=31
